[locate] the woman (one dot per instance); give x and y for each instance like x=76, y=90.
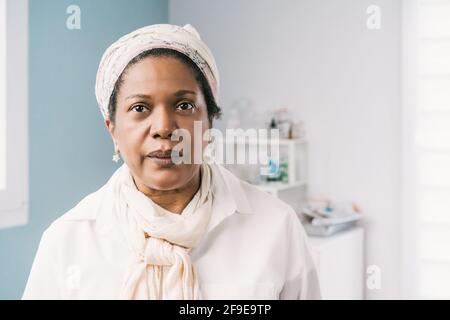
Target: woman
x=160, y=230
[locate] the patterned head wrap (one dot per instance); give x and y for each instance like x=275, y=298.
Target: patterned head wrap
x=182, y=39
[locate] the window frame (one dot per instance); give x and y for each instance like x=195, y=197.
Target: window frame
x=415, y=256
x=410, y=225
x=14, y=199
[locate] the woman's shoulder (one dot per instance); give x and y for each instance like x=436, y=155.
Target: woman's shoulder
x=260, y=201
x=263, y=201
x=268, y=212
x=85, y=210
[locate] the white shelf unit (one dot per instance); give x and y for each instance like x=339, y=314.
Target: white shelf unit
x=294, y=151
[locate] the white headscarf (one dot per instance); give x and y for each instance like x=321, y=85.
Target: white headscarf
x=182, y=39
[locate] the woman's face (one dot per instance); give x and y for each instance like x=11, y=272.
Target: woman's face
x=157, y=96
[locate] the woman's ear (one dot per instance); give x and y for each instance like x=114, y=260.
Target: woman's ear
x=110, y=126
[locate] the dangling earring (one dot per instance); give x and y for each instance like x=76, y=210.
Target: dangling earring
x=208, y=152
x=116, y=155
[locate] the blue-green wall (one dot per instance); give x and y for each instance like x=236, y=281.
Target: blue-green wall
x=69, y=148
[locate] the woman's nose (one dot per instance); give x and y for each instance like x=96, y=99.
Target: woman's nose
x=163, y=123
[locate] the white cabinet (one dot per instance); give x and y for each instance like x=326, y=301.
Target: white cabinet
x=340, y=264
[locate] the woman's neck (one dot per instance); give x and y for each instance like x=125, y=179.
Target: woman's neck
x=172, y=200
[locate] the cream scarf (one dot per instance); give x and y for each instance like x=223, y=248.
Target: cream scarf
x=160, y=240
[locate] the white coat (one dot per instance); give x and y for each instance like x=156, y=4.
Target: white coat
x=255, y=248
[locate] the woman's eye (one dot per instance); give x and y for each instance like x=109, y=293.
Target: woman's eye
x=185, y=106
x=139, y=108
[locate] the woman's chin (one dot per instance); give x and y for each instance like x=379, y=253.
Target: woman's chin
x=166, y=178
x=163, y=179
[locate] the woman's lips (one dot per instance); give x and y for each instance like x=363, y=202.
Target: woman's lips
x=162, y=161
x=163, y=158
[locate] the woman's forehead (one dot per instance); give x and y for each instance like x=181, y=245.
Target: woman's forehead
x=159, y=74
x=160, y=68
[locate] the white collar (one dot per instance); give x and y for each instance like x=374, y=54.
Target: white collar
x=228, y=196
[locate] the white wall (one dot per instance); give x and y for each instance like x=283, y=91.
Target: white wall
x=319, y=59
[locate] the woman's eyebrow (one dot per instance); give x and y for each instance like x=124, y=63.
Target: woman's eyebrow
x=183, y=92
x=139, y=95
